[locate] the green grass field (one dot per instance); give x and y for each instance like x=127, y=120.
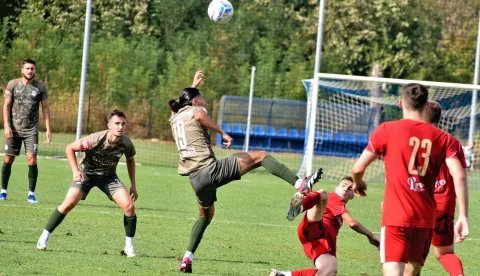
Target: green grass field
x=249, y=235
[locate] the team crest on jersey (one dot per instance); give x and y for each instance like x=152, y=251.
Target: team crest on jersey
x=85, y=145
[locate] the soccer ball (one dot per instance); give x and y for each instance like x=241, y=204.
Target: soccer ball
x=220, y=11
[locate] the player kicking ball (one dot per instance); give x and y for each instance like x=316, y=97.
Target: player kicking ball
x=190, y=124
x=318, y=230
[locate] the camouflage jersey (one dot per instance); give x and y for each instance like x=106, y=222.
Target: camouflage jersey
x=192, y=139
x=26, y=100
x=100, y=157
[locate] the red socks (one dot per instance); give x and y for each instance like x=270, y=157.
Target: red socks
x=452, y=264
x=310, y=200
x=305, y=272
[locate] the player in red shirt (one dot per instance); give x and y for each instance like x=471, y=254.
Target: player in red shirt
x=413, y=152
x=319, y=227
x=444, y=194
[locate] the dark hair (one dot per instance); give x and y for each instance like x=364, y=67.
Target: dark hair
x=415, y=96
x=116, y=112
x=188, y=94
x=349, y=178
x=29, y=61
x=433, y=112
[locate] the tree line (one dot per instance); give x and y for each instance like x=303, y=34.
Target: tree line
x=143, y=52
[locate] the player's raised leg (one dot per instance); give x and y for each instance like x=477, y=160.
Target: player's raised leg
x=124, y=201
x=74, y=195
x=314, y=203
x=255, y=159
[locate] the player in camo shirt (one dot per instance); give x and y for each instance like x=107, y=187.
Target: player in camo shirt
x=98, y=168
x=20, y=115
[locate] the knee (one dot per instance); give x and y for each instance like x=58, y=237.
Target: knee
x=323, y=195
x=129, y=208
x=8, y=159
x=66, y=207
x=207, y=213
x=328, y=270
x=261, y=155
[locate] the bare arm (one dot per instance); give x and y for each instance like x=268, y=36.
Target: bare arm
x=7, y=105
x=197, y=79
x=207, y=122
x=461, y=190
x=358, y=170
x=359, y=228
x=131, y=175
x=46, y=115
x=70, y=151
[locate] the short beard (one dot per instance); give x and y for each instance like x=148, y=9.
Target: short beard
x=29, y=78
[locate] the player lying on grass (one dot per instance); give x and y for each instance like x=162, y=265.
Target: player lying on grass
x=413, y=152
x=102, y=151
x=444, y=193
x=318, y=230
x=190, y=123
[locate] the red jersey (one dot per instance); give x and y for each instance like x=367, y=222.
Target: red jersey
x=413, y=153
x=444, y=192
x=332, y=217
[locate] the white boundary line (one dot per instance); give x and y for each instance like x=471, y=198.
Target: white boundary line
x=194, y=218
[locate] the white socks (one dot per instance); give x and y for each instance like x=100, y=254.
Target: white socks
x=31, y=193
x=188, y=255
x=129, y=242
x=298, y=183
x=45, y=235
x=3, y=191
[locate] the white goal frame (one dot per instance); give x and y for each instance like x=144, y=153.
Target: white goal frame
x=306, y=167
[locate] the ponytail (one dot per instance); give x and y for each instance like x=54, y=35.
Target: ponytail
x=186, y=98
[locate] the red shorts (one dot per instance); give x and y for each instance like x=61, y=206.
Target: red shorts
x=405, y=244
x=316, y=239
x=443, y=234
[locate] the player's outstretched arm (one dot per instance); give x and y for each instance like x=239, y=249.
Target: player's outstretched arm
x=197, y=79
x=131, y=175
x=207, y=122
x=359, y=228
x=461, y=190
x=358, y=170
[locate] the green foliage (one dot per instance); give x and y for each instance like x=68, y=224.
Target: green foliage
x=144, y=52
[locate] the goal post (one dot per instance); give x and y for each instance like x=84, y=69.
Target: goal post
x=349, y=108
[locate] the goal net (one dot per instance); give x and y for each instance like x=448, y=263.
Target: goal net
x=349, y=108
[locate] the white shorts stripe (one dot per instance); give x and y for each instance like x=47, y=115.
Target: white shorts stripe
x=382, y=245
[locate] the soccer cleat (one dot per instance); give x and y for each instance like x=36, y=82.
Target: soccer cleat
x=32, y=199
x=274, y=272
x=308, y=182
x=129, y=251
x=186, y=265
x=295, y=206
x=3, y=196
x=42, y=244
